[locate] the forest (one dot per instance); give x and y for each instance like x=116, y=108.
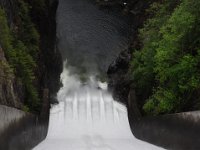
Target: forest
x=20, y=42
x=165, y=67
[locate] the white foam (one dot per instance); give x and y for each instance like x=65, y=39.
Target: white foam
x=87, y=118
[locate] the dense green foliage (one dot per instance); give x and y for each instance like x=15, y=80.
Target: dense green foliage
x=21, y=46
x=167, y=67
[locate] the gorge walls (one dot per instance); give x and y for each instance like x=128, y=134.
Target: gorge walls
x=39, y=20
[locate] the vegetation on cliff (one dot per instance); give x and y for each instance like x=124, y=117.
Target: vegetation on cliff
x=21, y=47
x=167, y=66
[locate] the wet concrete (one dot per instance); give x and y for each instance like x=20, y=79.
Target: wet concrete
x=20, y=130
x=179, y=131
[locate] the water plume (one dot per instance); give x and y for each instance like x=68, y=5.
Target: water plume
x=87, y=118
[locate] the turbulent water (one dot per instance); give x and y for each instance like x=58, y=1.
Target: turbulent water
x=87, y=117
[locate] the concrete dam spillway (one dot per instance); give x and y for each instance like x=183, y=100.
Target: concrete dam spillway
x=87, y=117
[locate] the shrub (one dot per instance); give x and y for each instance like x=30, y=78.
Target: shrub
x=168, y=63
x=21, y=50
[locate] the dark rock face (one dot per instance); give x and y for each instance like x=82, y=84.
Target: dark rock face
x=50, y=61
x=119, y=83
x=118, y=76
x=133, y=109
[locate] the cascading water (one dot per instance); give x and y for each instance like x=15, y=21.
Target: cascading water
x=87, y=117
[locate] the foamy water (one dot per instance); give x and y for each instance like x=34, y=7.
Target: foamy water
x=87, y=118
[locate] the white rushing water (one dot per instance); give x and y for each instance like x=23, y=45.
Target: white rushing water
x=87, y=118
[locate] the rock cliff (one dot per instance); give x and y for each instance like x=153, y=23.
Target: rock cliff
x=49, y=62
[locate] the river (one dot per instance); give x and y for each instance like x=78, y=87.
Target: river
x=87, y=117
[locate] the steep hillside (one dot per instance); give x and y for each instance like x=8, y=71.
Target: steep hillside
x=31, y=64
x=163, y=74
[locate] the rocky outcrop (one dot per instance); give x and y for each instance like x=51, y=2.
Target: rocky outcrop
x=119, y=82
x=133, y=108
x=50, y=61
x=118, y=77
